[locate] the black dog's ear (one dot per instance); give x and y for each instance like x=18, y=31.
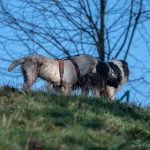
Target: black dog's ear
x=124, y=62
x=113, y=82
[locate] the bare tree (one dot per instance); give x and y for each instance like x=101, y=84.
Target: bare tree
x=61, y=28
x=73, y=26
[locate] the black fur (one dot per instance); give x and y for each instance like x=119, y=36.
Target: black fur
x=114, y=80
x=107, y=74
x=97, y=80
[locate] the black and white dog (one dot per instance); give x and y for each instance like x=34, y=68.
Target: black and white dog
x=107, y=80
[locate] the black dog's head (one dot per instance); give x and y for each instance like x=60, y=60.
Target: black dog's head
x=119, y=73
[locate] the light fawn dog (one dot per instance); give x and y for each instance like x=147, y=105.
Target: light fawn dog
x=36, y=66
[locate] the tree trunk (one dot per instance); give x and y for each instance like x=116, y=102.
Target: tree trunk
x=101, y=44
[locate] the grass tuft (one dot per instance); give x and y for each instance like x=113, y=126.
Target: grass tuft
x=40, y=121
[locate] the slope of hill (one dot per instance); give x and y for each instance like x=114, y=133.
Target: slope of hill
x=40, y=121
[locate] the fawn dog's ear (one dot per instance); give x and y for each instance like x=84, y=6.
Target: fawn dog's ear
x=93, y=69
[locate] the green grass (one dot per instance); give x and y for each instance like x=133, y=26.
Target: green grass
x=40, y=121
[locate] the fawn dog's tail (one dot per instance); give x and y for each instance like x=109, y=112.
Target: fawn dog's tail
x=15, y=63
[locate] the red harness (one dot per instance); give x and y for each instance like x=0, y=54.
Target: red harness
x=76, y=67
x=61, y=67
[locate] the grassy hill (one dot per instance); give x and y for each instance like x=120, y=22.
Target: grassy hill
x=40, y=121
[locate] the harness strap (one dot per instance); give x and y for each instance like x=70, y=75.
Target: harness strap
x=76, y=66
x=61, y=69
